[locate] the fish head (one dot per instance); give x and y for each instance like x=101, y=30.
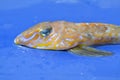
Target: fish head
x=47, y=35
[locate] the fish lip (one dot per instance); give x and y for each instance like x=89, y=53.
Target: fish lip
x=16, y=41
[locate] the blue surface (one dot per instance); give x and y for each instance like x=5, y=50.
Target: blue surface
x=21, y=63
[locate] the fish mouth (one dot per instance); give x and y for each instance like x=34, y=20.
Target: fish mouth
x=16, y=41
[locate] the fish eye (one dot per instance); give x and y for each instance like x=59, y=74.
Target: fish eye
x=46, y=32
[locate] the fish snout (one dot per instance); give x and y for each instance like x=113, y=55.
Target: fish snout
x=16, y=41
x=27, y=39
x=19, y=40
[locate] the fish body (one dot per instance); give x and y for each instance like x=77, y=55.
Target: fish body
x=61, y=35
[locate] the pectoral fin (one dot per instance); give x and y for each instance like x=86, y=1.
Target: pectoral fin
x=89, y=51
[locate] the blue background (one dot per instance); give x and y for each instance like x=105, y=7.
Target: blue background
x=21, y=63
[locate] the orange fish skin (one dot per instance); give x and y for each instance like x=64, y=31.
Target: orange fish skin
x=66, y=35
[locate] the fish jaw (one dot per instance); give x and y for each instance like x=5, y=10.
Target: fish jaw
x=20, y=40
x=49, y=45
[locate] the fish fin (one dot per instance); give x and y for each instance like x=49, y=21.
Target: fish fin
x=89, y=51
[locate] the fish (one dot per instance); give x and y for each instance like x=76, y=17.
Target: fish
x=77, y=38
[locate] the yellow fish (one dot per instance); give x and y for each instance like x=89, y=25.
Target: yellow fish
x=74, y=37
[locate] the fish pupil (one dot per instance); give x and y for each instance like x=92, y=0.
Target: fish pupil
x=46, y=32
